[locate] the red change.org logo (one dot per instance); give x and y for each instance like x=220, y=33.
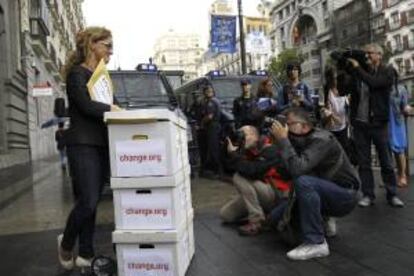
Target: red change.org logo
x=146, y=211
x=149, y=266
x=140, y=158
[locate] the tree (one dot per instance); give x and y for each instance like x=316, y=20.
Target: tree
x=278, y=65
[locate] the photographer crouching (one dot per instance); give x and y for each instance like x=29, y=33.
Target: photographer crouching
x=259, y=180
x=325, y=184
x=370, y=110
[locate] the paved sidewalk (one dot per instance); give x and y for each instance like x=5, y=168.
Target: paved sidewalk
x=374, y=241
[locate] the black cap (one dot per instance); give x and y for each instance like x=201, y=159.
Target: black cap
x=244, y=82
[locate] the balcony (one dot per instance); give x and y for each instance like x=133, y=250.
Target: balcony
x=39, y=33
x=50, y=62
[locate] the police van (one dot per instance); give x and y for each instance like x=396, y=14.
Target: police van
x=226, y=88
x=144, y=87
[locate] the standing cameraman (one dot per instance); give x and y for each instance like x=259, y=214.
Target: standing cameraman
x=370, y=108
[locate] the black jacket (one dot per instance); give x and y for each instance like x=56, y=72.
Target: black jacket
x=380, y=85
x=318, y=154
x=86, y=116
x=243, y=110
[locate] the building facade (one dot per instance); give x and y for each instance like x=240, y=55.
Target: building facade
x=14, y=134
x=306, y=25
x=256, y=27
x=175, y=51
x=35, y=37
x=399, y=33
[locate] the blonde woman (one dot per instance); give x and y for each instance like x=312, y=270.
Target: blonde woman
x=87, y=146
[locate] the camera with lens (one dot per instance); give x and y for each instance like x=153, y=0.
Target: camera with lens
x=341, y=58
x=268, y=121
x=237, y=137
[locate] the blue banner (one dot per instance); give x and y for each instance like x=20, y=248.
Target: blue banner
x=223, y=34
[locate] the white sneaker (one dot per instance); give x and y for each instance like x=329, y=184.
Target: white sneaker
x=309, y=251
x=330, y=227
x=365, y=202
x=66, y=264
x=83, y=262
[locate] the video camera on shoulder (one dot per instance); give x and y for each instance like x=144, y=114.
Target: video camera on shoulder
x=341, y=58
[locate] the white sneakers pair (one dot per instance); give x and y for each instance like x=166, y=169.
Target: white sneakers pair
x=69, y=264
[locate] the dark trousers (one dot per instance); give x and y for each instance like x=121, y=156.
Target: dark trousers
x=364, y=136
x=89, y=168
x=316, y=198
x=202, y=147
x=213, y=147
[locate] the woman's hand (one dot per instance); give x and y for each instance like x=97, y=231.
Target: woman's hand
x=115, y=108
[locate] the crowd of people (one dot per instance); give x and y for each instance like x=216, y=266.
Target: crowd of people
x=291, y=171
x=298, y=165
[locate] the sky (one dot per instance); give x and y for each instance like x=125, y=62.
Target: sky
x=136, y=24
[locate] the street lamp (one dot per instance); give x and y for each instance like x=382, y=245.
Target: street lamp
x=242, y=44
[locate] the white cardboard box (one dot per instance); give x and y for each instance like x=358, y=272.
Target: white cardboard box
x=151, y=203
x=146, y=142
x=158, y=253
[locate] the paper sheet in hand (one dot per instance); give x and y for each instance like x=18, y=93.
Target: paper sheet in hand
x=100, y=85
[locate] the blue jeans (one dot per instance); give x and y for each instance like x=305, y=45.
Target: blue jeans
x=316, y=198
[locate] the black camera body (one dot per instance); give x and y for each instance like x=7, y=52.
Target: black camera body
x=341, y=58
x=268, y=121
x=237, y=137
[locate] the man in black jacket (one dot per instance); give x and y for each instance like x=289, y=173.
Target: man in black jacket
x=324, y=181
x=370, y=104
x=258, y=183
x=244, y=105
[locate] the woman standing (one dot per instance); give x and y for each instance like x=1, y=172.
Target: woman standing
x=87, y=146
x=399, y=107
x=334, y=114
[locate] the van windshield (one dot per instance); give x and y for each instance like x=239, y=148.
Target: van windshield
x=131, y=88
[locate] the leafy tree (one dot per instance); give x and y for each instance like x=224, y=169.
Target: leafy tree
x=278, y=65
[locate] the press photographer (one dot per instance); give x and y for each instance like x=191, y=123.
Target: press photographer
x=259, y=180
x=324, y=182
x=370, y=88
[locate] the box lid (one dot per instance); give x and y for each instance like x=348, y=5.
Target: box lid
x=151, y=181
x=145, y=116
x=149, y=236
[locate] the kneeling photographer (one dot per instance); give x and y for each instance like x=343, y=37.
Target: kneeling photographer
x=258, y=179
x=324, y=182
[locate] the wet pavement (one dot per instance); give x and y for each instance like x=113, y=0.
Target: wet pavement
x=374, y=241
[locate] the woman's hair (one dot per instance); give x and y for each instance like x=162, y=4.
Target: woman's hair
x=263, y=90
x=330, y=77
x=84, y=39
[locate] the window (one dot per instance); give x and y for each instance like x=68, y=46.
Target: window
x=280, y=14
x=344, y=33
x=398, y=43
x=324, y=7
